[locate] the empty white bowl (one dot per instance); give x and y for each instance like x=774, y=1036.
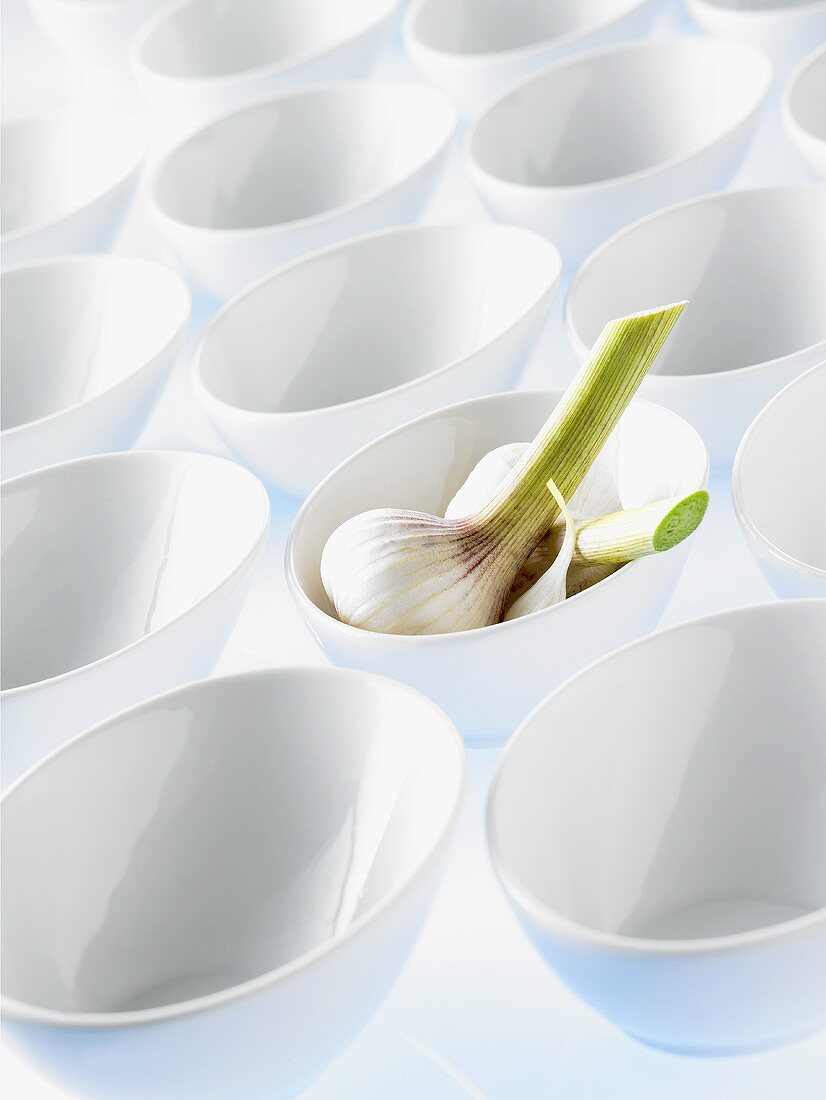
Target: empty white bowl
x=309, y=365
x=68, y=180
x=122, y=576
x=209, y=895
x=266, y=184
x=586, y=146
x=804, y=110
x=779, y=487
x=785, y=29
x=659, y=826
x=94, y=32
x=752, y=265
x=87, y=344
x=473, y=50
x=487, y=679
x=201, y=58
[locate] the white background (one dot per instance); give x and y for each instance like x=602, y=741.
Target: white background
x=474, y=992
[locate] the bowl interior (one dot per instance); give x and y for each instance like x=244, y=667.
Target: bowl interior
x=752, y=265
x=74, y=328
x=675, y=790
x=739, y=8
x=640, y=106
x=54, y=166
x=302, y=155
x=374, y=314
x=208, y=38
x=422, y=465
x=100, y=552
x=782, y=471
x=467, y=27
x=807, y=101
x=212, y=836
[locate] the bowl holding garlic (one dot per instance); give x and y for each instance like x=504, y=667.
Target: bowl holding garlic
x=486, y=669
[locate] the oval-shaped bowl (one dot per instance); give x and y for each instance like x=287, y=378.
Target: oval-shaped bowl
x=238, y=869
x=785, y=29
x=487, y=679
x=582, y=148
x=87, y=345
x=752, y=265
x=263, y=185
x=778, y=483
x=316, y=360
x=200, y=58
x=68, y=180
x=123, y=575
x=473, y=51
x=658, y=825
x=804, y=110
x=94, y=32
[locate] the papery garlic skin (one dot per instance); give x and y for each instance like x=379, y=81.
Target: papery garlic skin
x=411, y=573
x=550, y=588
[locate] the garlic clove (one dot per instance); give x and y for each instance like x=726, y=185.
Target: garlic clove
x=550, y=588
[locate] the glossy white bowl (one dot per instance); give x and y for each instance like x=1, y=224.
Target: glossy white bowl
x=266, y=184
x=200, y=58
x=87, y=345
x=584, y=147
x=659, y=826
x=752, y=265
x=94, y=33
x=68, y=180
x=804, y=110
x=487, y=679
x=778, y=483
x=122, y=576
x=316, y=360
x=785, y=29
x=209, y=895
x=474, y=50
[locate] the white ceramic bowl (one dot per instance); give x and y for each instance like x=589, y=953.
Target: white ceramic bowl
x=68, y=180
x=316, y=360
x=237, y=871
x=779, y=487
x=122, y=576
x=586, y=146
x=266, y=184
x=487, y=679
x=474, y=50
x=659, y=826
x=94, y=32
x=87, y=344
x=752, y=265
x=785, y=29
x=804, y=110
x=200, y=58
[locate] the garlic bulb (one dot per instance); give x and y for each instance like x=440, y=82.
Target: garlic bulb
x=402, y=572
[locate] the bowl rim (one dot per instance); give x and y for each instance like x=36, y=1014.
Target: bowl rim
x=380, y=88
x=492, y=229
x=103, y=260
x=666, y=380
x=241, y=567
x=794, y=128
x=293, y=61
x=25, y=1012
x=58, y=117
x=413, y=42
x=709, y=46
x=309, y=609
x=767, y=546
x=560, y=926
x=756, y=15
